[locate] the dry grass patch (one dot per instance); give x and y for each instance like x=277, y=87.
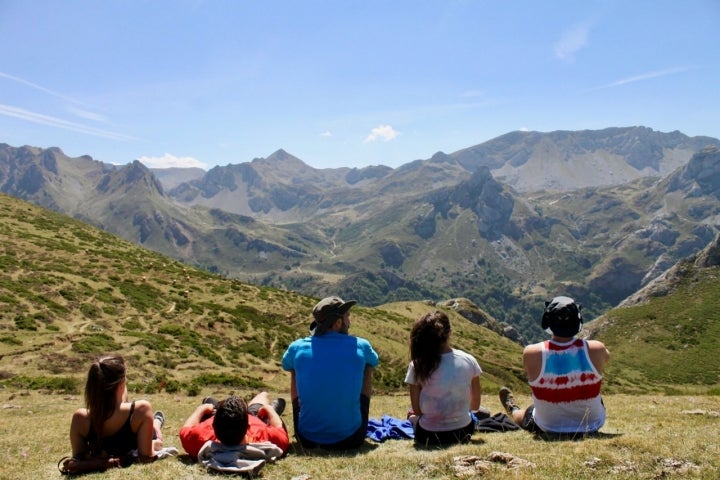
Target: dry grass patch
x=645, y=437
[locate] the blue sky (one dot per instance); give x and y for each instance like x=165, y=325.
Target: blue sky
x=346, y=83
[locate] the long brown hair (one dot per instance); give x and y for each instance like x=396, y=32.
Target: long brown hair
x=427, y=337
x=104, y=376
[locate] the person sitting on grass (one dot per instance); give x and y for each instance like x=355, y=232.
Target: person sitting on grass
x=109, y=425
x=211, y=418
x=444, y=384
x=565, y=375
x=330, y=380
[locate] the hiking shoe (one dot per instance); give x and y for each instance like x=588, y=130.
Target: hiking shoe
x=279, y=405
x=507, y=400
x=160, y=417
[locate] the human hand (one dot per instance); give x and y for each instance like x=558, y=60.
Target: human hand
x=263, y=412
x=205, y=410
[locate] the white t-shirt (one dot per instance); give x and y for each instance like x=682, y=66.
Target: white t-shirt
x=445, y=396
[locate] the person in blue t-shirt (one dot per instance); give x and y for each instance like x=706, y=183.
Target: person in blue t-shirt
x=330, y=380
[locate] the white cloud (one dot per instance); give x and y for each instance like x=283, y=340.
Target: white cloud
x=16, y=112
x=382, y=132
x=571, y=41
x=82, y=113
x=170, y=161
x=524, y=129
x=38, y=87
x=326, y=133
x=645, y=76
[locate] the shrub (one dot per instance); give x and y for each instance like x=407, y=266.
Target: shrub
x=60, y=384
x=10, y=340
x=96, y=343
x=90, y=310
x=132, y=324
x=25, y=323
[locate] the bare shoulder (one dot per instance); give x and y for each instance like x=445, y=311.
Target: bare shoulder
x=143, y=408
x=533, y=349
x=81, y=417
x=80, y=424
x=599, y=354
x=81, y=413
x=532, y=360
x=597, y=346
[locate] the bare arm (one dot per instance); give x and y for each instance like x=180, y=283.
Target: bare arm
x=79, y=431
x=367, y=381
x=293, y=386
x=266, y=412
x=475, y=393
x=143, y=419
x=415, y=398
x=532, y=361
x=199, y=414
x=599, y=355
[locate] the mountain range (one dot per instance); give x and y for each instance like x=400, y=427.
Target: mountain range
x=507, y=223
x=69, y=292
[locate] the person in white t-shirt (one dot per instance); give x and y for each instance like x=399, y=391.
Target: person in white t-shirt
x=444, y=384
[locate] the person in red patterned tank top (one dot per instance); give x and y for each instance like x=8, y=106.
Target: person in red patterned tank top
x=565, y=375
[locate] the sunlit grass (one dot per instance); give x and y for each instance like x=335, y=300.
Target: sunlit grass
x=649, y=436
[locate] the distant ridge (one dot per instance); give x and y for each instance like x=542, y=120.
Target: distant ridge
x=430, y=229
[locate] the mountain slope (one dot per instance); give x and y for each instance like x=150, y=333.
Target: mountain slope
x=668, y=333
x=564, y=160
x=69, y=291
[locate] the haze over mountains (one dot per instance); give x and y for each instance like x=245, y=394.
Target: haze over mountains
x=592, y=214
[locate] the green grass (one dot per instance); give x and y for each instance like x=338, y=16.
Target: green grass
x=645, y=437
x=671, y=340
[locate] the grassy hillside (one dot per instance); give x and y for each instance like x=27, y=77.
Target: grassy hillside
x=69, y=291
x=670, y=340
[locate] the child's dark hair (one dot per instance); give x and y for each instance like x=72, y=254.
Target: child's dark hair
x=427, y=337
x=231, y=420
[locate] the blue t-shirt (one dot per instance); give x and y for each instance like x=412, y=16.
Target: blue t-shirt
x=329, y=371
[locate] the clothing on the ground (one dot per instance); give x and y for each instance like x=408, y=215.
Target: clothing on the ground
x=243, y=458
x=195, y=436
x=445, y=396
x=495, y=423
x=566, y=394
x=329, y=373
x=388, y=427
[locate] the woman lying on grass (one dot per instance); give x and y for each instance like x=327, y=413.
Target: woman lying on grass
x=110, y=426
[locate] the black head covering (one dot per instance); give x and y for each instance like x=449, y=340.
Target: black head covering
x=562, y=316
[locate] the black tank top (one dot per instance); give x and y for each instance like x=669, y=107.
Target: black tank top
x=121, y=442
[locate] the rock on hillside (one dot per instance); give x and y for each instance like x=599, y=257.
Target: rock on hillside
x=478, y=316
x=666, y=283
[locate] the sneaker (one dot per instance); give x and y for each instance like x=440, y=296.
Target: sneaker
x=160, y=417
x=508, y=400
x=279, y=405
